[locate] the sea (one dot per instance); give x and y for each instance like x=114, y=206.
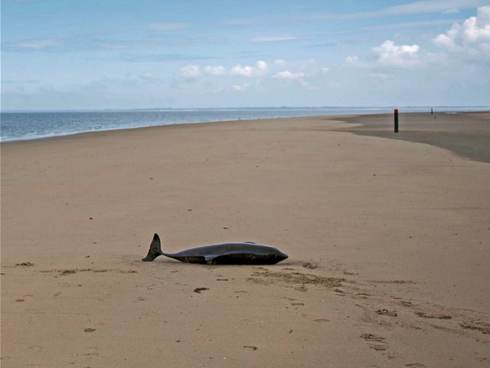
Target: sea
x=18, y=126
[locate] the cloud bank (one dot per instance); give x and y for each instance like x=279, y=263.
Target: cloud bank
x=473, y=35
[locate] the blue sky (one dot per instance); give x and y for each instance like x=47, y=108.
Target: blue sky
x=143, y=54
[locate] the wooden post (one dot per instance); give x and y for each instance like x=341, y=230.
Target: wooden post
x=396, y=120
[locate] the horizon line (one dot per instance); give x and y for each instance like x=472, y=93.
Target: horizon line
x=135, y=109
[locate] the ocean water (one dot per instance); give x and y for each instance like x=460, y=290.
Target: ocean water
x=15, y=126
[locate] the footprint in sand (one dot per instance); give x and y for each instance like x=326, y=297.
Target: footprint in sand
x=363, y=295
x=321, y=320
x=25, y=264
x=198, y=290
x=67, y=272
x=348, y=273
x=482, y=327
x=374, y=341
x=387, y=312
x=310, y=265
x=372, y=337
x=433, y=315
x=406, y=303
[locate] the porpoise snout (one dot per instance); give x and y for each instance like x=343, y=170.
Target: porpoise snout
x=282, y=256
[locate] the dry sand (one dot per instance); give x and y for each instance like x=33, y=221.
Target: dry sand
x=388, y=243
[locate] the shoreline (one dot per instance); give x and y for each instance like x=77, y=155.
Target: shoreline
x=472, y=145
x=347, y=116
x=173, y=125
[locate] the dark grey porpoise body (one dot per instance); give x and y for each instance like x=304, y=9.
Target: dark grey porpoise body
x=228, y=253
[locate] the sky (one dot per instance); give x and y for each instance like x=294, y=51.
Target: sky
x=120, y=54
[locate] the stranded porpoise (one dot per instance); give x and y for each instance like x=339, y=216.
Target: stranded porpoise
x=227, y=253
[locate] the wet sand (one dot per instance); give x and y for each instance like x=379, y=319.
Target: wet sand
x=467, y=134
x=388, y=244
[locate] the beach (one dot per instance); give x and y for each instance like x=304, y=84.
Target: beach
x=388, y=241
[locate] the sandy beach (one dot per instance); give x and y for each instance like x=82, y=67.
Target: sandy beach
x=388, y=241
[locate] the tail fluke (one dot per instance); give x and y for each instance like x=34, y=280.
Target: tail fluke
x=155, y=249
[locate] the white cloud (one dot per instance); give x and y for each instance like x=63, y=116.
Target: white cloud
x=262, y=65
x=36, y=44
x=250, y=71
x=196, y=71
x=168, y=26
x=190, y=71
x=287, y=75
x=276, y=69
x=391, y=54
x=245, y=71
x=356, y=61
x=214, y=70
x=472, y=35
x=262, y=39
x=352, y=60
x=447, y=40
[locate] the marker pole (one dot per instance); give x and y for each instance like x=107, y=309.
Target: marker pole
x=396, y=120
